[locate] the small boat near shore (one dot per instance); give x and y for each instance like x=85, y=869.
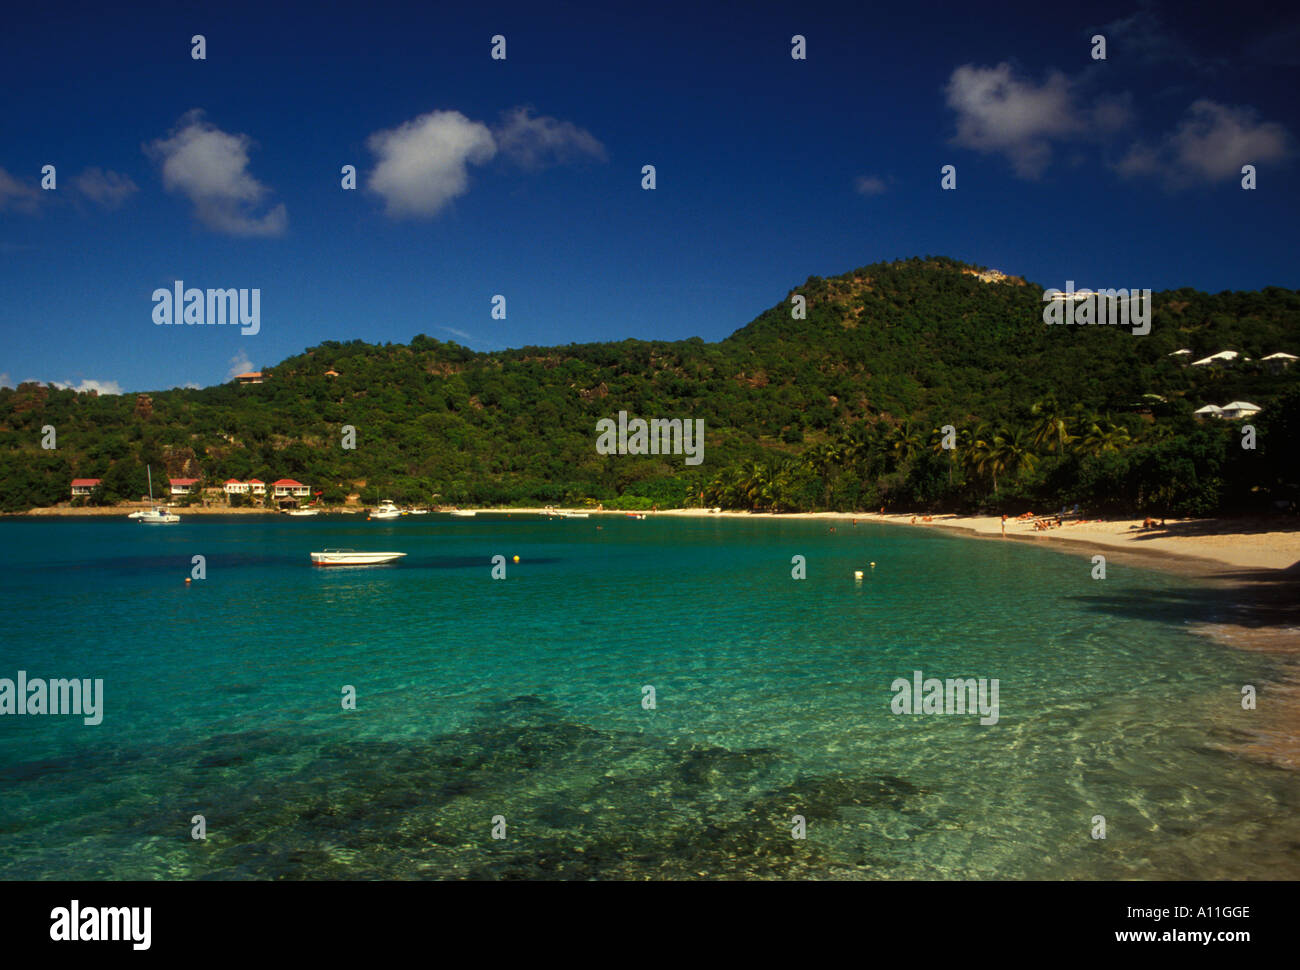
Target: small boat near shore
x=386, y=510
x=350, y=557
x=302, y=513
x=572, y=515
x=464, y=513
x=158, y=515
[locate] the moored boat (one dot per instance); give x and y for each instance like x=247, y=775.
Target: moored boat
x=157, y=516
x=350, y=557
x=464, y=513
x=386, y=510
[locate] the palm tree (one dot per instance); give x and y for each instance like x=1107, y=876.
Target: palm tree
x=905, y=442
x=962, y=443
x=817, y=461
x=1096, y=439
x=1013, y=452
x=755, y=483
x=1051, y=429
x=981, y=456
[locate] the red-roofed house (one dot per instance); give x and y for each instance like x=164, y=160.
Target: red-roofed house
x=253, y=377
x=257, y=486
x=234, y=486
x=182, y=486
x=287, y=487
x=83, y=486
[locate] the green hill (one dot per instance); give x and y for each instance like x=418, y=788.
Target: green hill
x=838, y=410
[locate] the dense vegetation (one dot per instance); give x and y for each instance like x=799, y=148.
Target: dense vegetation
x=841, y=410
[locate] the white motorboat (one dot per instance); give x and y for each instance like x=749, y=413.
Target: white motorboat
x=158, y=515
x=573, y=515
x=386, y=510
x=464, y=513
x=303, y=512
x=350, y=557
x=417, y=511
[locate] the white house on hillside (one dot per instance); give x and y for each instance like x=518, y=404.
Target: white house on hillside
x=287, y=487
x=1279, y=362
x=1222, y=359
x=1239, y=409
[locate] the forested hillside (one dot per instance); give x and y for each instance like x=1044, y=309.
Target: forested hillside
x=840, y=410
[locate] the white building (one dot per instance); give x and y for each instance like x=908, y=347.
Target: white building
x=1279, y=362
x=1222, y=359
x=287, y=488
x=1239, y=409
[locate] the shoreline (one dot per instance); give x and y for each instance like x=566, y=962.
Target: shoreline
x=1183, y=545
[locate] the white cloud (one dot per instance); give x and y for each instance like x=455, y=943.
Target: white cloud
x=5, y=381
x=107, y=189
x=534, y=143
x=1212, y=142
x=1000, y=113
x=99, y=387
x=19, y=195
x=209, y=167
x=423, y=163
x=868, y=185
x=239, y=364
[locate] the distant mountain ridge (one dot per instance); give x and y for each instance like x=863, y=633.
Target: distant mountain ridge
x=925, y=341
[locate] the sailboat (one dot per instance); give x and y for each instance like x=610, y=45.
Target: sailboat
x=158, y=515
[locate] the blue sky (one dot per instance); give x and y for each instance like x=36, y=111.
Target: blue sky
x=522, y=177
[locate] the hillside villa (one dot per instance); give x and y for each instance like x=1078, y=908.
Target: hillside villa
x=1229, y=412
x=1279, y=362
x=284, y=488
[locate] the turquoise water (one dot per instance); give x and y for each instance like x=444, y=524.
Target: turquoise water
x=522, y=698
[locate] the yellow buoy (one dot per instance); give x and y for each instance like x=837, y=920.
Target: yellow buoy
x=857, y=574
x=873, y=565
x=187, y=580
x=516, y=558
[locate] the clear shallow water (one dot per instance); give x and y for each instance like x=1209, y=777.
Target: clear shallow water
x=522, y=698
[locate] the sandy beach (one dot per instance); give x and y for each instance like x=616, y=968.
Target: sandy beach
x=1244, y=544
